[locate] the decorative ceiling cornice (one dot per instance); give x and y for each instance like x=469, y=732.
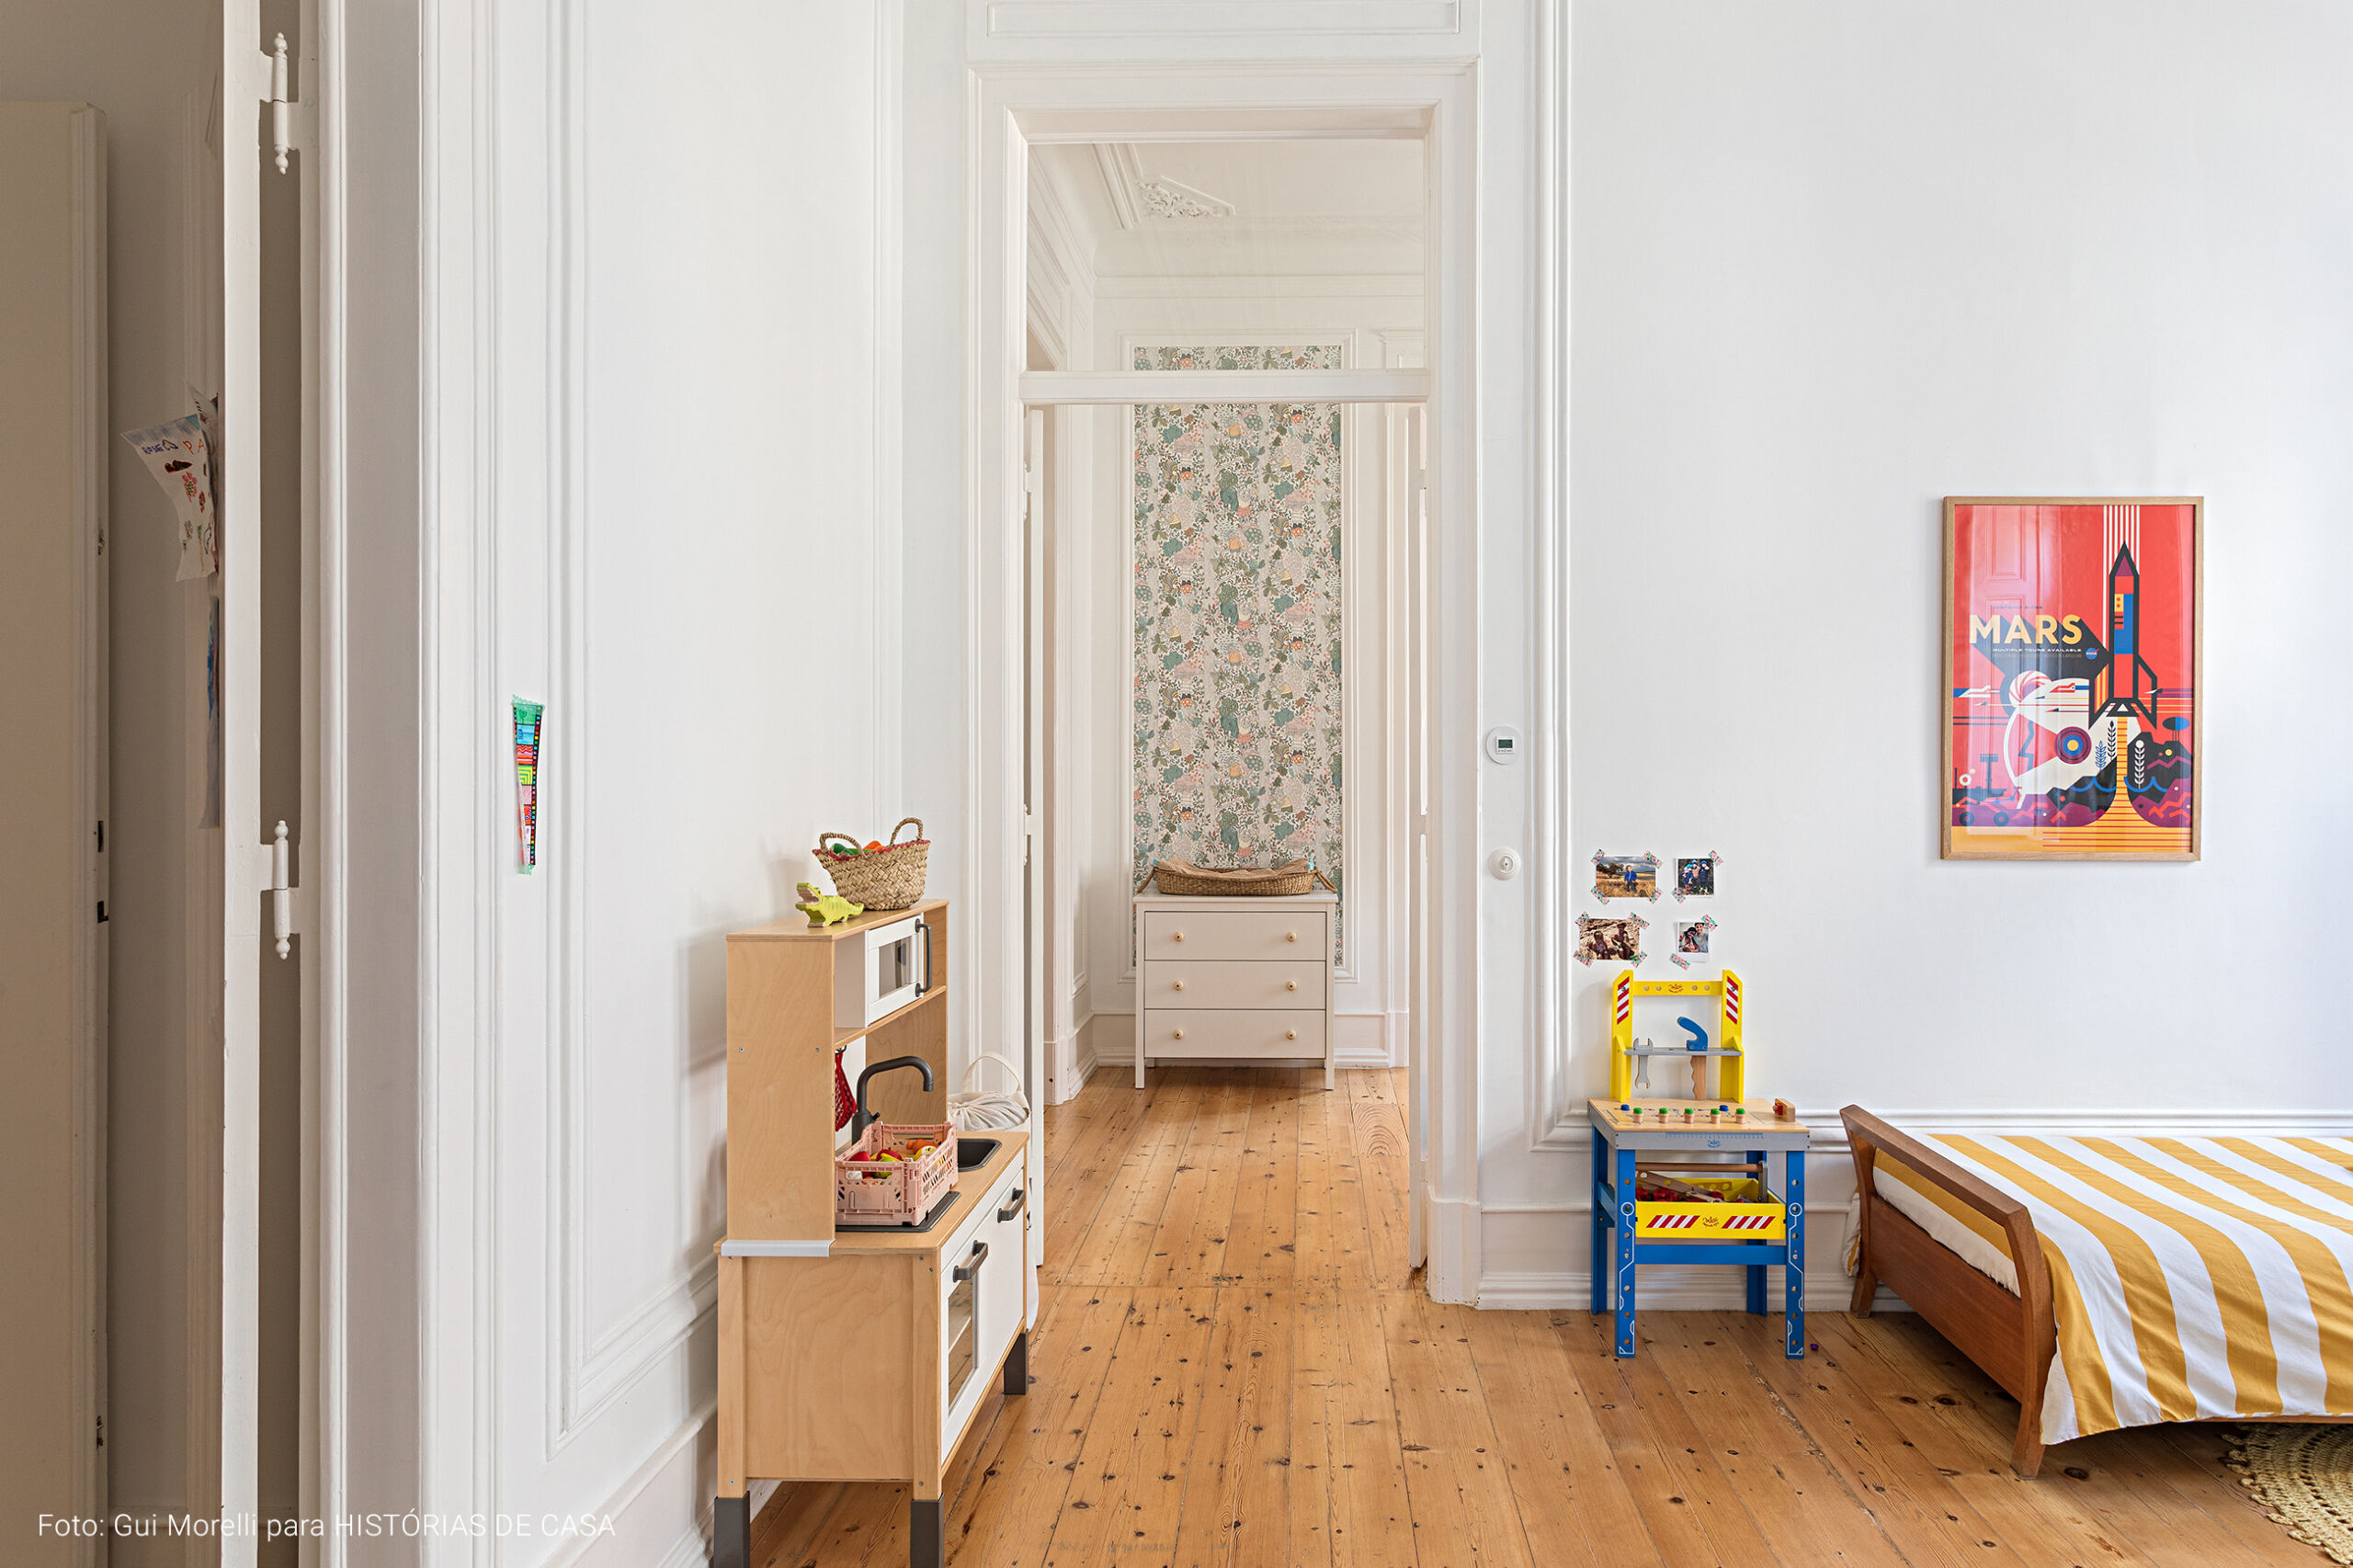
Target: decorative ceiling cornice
x=1166, y=198
x=1134, y=197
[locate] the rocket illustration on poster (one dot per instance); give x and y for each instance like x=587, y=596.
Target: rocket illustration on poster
x=2071, y=661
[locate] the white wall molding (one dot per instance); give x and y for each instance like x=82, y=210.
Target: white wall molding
x=1263, y=285
x=595, y=1365
x=1122, y=178
x=1240, y=29
x=1552, y=939
x=644, y=1507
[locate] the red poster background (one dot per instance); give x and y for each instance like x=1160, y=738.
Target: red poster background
x=2072, y=738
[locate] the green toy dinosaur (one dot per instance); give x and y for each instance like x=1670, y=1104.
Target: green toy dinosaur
x=825, y=908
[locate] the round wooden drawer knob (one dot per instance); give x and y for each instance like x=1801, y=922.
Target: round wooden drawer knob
x=1291, y=936
x=1291, y=1034
x=1179, y=936
x=1180, y=1034
x=1180, y=985
x=1290, y=985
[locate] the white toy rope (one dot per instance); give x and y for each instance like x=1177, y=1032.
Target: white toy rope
x=975, y=1108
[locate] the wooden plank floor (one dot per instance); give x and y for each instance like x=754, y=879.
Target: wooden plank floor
x=1233, y=1367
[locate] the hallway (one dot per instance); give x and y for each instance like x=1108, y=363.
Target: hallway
x=1234, y=1366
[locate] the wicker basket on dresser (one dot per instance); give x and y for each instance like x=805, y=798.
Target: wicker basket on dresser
x=1234, y=979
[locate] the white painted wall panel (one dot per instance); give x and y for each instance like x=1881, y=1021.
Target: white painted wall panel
x=1833, y=262
x=655, y=367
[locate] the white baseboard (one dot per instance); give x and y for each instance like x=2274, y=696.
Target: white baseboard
x=660, y=1511
x=1082, y=1057
x=1667, y=1288
x=693, y=1547
x=1452, y=1273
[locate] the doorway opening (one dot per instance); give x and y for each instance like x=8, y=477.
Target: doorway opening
x=1224, y=509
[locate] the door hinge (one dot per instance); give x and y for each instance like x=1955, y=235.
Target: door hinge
x=282, y=892
x=291, y=124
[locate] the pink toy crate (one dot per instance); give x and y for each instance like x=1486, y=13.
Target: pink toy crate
x=901, y=1191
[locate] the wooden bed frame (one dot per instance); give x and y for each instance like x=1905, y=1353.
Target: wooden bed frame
x=2011, y=1338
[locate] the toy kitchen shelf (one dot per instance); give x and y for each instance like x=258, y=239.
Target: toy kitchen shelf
x=852, y=1355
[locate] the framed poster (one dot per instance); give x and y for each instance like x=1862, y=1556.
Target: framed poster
x=2072, y=689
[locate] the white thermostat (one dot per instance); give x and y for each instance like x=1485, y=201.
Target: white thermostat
x=1504, y=744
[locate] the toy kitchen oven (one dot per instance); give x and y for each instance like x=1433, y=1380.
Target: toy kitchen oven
x=881, y=970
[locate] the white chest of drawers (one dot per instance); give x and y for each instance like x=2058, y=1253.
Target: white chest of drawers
x=1234, y=979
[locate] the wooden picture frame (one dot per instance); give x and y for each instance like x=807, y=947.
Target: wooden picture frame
x=2064, y=685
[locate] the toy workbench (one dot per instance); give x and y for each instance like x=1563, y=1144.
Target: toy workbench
x=1701, y=1208
x=1744, y=1223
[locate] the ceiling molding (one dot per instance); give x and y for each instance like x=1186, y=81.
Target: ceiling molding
x=1166, y=198
x=1122, y=177
x=1134, y=196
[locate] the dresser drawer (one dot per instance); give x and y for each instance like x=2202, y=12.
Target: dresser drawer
x=1238, y=1032
x=1236, y=934
x=1234, y=983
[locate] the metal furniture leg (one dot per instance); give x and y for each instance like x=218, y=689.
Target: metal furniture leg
x=1597, y=1234
x=927, y=1534
x=730, y=1532
x=1625, y=1252
x=1017, y=1367
x=1757, y=1270
x=1793, y=1274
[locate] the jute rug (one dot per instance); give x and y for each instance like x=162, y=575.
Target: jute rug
x=2304, y=1476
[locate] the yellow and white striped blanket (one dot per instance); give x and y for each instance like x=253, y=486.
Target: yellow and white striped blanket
x=2189, y=1276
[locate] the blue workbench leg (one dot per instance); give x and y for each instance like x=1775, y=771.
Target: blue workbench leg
x=1757, y=1270
x=1625, y=1252
x=1598, y=1248
x=1793, y=1274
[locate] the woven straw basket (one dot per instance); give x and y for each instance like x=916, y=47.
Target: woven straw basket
x=888, y=877
x=1182, y=879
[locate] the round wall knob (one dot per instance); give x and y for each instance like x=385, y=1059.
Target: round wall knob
x=1290, y=985
x=1180, y=985
x=1291, y=936
x=1180, y=1034
x=1291, y=1034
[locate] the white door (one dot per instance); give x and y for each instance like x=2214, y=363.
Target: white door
x=261, y=130
x=54, y=450
x=1417, y=850
x=1033, y=782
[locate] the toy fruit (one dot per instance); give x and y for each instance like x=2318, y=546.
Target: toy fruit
x=861, y=1154
x=872, y=845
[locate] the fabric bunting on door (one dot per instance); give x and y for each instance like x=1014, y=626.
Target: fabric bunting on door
x=527, y=784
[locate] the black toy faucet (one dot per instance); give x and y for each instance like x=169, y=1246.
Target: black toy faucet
x=865, y=1118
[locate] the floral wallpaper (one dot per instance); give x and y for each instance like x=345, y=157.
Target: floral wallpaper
x=1237, y=597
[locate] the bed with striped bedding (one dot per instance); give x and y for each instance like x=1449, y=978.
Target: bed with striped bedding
x=2112, y=1282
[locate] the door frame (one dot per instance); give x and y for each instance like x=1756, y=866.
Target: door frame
x=1016, y=107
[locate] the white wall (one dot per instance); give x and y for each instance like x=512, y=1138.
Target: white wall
x=658, y=498
x=1833, y=262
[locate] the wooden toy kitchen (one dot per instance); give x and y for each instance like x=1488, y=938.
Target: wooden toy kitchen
x=857, y=1346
